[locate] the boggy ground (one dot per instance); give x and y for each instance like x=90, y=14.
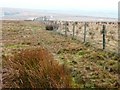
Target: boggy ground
x=89, y=67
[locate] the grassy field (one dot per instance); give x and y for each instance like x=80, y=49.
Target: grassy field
x=36, y=58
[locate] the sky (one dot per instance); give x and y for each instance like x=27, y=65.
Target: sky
x=106, y=6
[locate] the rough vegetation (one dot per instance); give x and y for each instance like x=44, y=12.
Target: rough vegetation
x=88, y=66
x=34, y=68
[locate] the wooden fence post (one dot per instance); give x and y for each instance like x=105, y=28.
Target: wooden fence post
x=85, y=25
x=66, y=29
x=104, y=33
x=119, y=38
x=73, y=30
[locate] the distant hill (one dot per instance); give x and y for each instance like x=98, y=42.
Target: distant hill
x=19, y=14
x=29, y=14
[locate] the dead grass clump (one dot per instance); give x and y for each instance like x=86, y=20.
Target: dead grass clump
x=34, y=69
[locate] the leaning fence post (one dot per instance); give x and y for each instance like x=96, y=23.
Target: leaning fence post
x=73, y=30
x=104, y=33
x=85, y=25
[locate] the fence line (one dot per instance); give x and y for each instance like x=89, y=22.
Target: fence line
x=100, y=34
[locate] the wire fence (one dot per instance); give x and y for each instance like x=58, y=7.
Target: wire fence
x=102, y=35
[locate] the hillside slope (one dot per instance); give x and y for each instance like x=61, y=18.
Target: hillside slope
x=88, y=66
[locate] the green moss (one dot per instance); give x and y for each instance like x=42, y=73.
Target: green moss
x=81, y=53
x=16, y=46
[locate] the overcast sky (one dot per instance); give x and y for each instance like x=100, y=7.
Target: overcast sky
x=87, y=5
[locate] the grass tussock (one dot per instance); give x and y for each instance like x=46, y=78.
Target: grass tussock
x=34, y=69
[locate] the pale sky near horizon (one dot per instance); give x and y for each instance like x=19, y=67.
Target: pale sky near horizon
x=62, y=4
x=87, y=5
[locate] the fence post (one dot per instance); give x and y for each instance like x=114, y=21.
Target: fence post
x=85, y=25
x=66, y=29
x=119, y=38
x=73, y=30
x=104, y=33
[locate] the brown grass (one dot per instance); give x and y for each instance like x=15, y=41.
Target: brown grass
x=34, y=68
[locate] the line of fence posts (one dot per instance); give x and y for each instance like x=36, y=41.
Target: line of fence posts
x=85, y=33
